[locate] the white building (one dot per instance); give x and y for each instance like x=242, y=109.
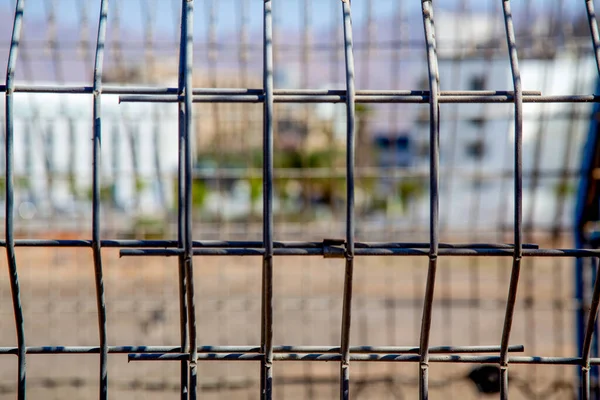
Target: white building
x=477, y=140
x=53, y=153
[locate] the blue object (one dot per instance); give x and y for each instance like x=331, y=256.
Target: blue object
x=587, y=210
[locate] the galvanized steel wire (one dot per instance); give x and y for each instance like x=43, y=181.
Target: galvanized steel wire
x=189, y=352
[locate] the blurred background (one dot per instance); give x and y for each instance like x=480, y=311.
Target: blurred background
x=53, y=178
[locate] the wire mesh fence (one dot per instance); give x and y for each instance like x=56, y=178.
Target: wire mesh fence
x=356, y=156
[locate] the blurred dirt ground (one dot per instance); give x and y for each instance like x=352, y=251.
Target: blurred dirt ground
x=58, y=297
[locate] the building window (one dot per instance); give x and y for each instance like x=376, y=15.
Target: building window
x=477, y=82
x=475, y=150
x=403, y=143
x=477, y=121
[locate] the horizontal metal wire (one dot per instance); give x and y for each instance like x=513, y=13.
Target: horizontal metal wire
x=382, y=251
x=133, y=90
x=383, y=99
x=256, y=349
x=188, y=352
x=247, y=244
x=451, y=358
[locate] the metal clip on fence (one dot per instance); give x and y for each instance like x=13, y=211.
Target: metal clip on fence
x=334, y=248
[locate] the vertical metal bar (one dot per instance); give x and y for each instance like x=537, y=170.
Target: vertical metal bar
x=579, y=313
x=267, y=268
x=518, y=188
x=183, y=317
x=9, y=186
x=593, y=382
x=593, y=24
x=350, y=150
x=582, y=265
x=3, y=153
x=581, y=292
x=434, y=149
x=97, y=253
x=593, y=375
x=185, y=147
x=592, y=316
x=587, y=341
x=503, y=205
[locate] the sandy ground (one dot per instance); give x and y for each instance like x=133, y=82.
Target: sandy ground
x=141, y=293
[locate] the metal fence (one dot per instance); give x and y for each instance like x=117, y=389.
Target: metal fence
x=386, y=295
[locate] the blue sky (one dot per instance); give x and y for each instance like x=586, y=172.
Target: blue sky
x=287, y=13
x=288, y=16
